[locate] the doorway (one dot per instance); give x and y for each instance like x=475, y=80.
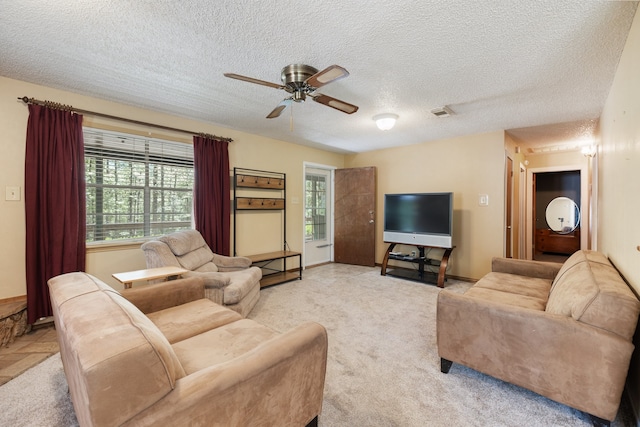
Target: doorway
x=535, y=218
x=318, y=217
x=508, y=234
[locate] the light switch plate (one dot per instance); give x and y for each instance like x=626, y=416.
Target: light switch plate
x=483, y=200
x=12, y=193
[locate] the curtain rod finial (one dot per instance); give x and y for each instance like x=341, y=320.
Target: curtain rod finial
x=24, y=99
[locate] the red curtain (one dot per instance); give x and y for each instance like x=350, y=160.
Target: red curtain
x=54, y=202
x=211, y=195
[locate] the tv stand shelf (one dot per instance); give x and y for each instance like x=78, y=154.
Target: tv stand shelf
x=419, y=275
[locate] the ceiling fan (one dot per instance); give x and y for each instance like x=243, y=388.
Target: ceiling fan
x=301, y=81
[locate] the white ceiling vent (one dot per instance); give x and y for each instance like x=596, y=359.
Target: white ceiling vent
x=442, y=111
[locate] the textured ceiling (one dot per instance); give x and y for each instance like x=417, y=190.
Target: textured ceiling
x=515, y=65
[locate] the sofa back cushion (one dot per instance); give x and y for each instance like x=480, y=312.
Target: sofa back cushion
x=191, y=250
x=116, y=361
x=590, y=290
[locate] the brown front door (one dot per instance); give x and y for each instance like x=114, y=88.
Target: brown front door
x=355, y=228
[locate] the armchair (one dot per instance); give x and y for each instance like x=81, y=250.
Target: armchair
x=229, y=281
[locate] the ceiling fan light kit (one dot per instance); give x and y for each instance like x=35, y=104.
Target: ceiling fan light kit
x=302, y=80
x=385, y=121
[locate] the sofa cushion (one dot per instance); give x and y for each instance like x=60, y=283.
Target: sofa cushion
x=512, y=289
x=590, y=290
x=518, y=285
x=507, y=298
x=182, y=242
x=221, y=344
x=76, y=284
x=192, y=318
x=196, y=259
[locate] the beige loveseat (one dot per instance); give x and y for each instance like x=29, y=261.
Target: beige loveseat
x=561, y=330
x=164, y=354
x=229, y=281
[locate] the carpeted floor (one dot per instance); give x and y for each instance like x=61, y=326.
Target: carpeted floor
x=383, y=367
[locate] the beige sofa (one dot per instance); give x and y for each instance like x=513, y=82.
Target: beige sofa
x=164, y=354
x=561, y=330
x=229, y=281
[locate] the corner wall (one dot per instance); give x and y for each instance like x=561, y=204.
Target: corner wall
x=619, y=164
x=468, y=166
x=619, y=182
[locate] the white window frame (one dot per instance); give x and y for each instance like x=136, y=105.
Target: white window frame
x=147, y=162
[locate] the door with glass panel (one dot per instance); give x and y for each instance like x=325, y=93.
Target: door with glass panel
x=317, y=218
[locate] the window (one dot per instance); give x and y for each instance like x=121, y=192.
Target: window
x=136, y=187
x=315, y=207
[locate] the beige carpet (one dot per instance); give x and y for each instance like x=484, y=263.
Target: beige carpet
x=383, y=367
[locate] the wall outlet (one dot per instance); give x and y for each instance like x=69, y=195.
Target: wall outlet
x=12, y=193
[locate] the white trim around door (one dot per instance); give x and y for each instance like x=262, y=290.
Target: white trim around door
x=330, y=207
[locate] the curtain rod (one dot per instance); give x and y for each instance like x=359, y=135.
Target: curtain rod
x=28, y=100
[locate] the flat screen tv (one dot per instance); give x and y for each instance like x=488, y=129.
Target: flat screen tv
x=420, y=219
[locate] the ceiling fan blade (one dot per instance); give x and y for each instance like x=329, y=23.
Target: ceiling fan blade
x=276, y=111
x=328, y=75
x=345, y=107
x=252, y=80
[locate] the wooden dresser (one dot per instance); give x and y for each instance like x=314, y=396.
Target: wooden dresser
x=549, y=241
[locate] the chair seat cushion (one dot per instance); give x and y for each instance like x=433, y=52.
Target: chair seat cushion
x=221, y=344
x=193, y=318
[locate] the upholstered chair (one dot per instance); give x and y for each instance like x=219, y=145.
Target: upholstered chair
x=229, y=281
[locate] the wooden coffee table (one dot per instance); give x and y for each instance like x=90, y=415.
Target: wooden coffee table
x=166, y=273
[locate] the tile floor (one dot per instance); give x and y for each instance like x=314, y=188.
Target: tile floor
x=27, y=351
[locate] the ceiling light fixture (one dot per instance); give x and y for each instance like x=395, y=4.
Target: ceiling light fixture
x=385, y=121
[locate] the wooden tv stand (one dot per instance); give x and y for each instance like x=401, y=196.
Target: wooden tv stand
x=420, y=275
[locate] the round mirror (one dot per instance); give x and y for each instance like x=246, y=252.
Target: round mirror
x=563, y=215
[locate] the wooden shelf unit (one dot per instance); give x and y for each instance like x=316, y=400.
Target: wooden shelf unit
x=275, y=183
x=277, y=275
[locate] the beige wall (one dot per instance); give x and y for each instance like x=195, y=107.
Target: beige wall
x=247, y=151
x=467, y=166
x=619, y=182
x=619, y=164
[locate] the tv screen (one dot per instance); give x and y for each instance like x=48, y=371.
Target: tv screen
x=422, y=219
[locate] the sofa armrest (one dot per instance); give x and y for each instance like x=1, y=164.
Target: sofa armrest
x=523, y=267
x=553, y=355
x=230, y=263
x=159, y=296
x=280, y=382
x=211, y=279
